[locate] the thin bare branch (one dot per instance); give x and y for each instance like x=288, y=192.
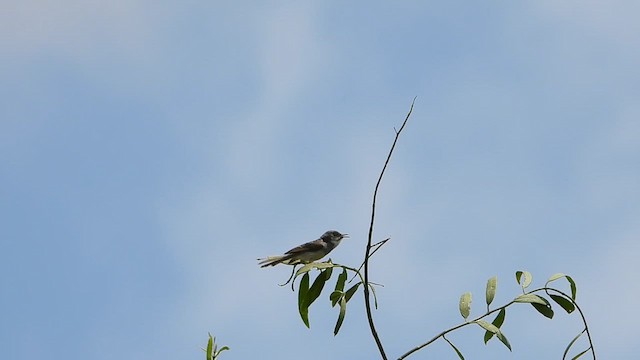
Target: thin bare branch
x=367, y=302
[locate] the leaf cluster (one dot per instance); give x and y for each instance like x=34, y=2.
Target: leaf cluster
x=308, y=294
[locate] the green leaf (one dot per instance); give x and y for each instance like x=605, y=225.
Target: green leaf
x=574, y=289
x=572, y=283
x=489, y=327
x=562, y=301
x=531, y=298
x=454, y=348
x=577, y=356
x=303, y=308
x=335, y=297
x=465, y=305
x=210, y=347
x=375, y=298
x=224, y=348
x=492, y=284
x=497, y=322
x=314, y=265
x=327, y=273
x=544, y=310
x=555, y=277
x=342, y=278
x=495, y=330
x=352, y=291
x=343, y=310
x=315, y=289
x=524, y=278
x=504, y=340
x=539, y=303
x=566, y=351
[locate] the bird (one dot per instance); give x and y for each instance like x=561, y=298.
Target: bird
x=308, y=252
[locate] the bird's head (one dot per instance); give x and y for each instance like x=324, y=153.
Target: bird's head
x=333, y=236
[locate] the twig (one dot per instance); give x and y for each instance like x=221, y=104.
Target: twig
x=584, y=320
x=545, y=289
x=442, y=334
x=377, y=246
x=367, y=303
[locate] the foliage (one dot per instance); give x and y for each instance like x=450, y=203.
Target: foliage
x=212, y=349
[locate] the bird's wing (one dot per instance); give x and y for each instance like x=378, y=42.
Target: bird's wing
x=316, y=245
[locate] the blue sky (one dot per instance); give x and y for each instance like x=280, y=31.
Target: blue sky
x=151, y=151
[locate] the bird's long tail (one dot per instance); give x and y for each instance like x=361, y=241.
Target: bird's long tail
x=273, y=260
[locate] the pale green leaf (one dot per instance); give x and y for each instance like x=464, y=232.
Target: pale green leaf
x=492, y=284
x=530, y=298
x=465, y=305
x=487, y=326
x=524, y=278
x=572, y=283
x=497, y=322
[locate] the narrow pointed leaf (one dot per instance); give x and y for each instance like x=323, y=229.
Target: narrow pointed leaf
x=531, y=298
x=465, y=305
x=342, y=278
x=335, y=297
x=555, y=277
x=343, y=311
x=566, y=351
x=311, y=266
x=375, y=298
x=327, y=273
x=497, y=322
x=504, y=340
x=304, y=269
x=303, y=308
x=574, y=289
x=454, y=348
x=541, y=304
x=315, y=289
x=492, y=284
x=224, y=348
x=210, y=348
x=544, y=310
x=564, y=303
x=352, y=291
x=572, y=283
x=577, y=356
x=494, y=329
x=487, y=326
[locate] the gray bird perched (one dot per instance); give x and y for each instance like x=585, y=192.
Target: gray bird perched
x=306, y=253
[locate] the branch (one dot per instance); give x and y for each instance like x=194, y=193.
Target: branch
x=367, y=302
x=584, y=320
x=545, y=289
x=442, y=334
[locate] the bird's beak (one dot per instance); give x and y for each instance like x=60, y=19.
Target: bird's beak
x=345, y=235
